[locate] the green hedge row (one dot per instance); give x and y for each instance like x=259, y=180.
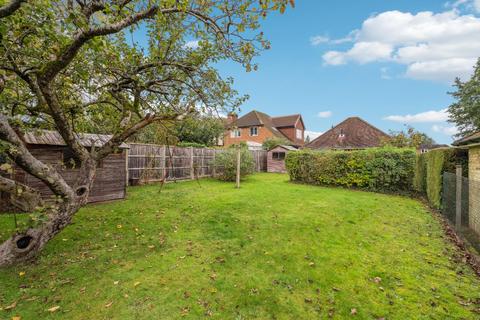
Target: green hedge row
x=382, y=170
x=429, y=169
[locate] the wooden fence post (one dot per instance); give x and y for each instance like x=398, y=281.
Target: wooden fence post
x=214, y=171
x=163, y=165
x=458, y=202
x=238, y=166
x=192, y=173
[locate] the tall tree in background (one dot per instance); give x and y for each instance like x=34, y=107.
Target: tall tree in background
x=465, y=112
x=204, y=130
x=71, y=65
x=408, y=138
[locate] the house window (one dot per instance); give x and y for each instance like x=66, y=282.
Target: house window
x=278, y=155
x=253, y=131
x=235, y=133
x=299, y=134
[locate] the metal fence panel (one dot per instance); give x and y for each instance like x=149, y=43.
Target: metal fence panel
x=467, y=201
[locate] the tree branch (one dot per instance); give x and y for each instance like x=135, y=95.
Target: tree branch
x=10, y=8
x=19, y=153
x=24, y=197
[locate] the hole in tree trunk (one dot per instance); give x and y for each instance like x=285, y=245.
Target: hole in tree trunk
x=24, y=242
x=81, y=191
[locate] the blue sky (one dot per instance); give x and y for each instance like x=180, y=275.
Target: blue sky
x=389, y=62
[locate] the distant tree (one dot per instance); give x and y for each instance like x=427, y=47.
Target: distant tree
x=409, y=138
x=307, y=140
x=465, y=111
x=269, y=143
x=204, y=130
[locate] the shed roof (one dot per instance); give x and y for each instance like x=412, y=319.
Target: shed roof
x=470, y=139
x=289, y=148
x=352, y=133
x=53, y=138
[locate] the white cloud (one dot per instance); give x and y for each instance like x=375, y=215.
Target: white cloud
x=193, y=44
x=449, y=131
x=433, y=46
x=317, y=40
x=428, y=116
x=473, y=5
x=324, y=114
x=313, y=134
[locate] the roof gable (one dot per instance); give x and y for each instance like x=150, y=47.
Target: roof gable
x=257, y=118
x=352, y=133
x=286, y=121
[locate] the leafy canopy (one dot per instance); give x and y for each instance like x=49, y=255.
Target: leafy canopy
x=465, y=111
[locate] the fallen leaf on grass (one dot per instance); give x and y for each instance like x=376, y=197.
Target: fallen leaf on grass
x=53, y=309
x=108, y=305
x=11, y=307
x=116, y=282
x=16, y=318
x=377, y=279
x=136, y=284
x=353, y=311
x=21, y=273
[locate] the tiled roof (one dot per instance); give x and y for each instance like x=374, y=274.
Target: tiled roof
x=352, y=133
x=473, y=138
x=53, y=138
x=285, y=121
x=257, y=118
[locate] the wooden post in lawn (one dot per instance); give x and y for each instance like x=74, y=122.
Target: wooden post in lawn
x=238, y=166
x=458, y=200
x=214, y=171
x=192, y=173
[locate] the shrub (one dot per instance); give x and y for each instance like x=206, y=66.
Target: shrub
x=383, y=170
x=226, y=163
x=430, y=168
x=270, y=143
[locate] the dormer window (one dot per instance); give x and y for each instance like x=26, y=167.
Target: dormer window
x=253, y=131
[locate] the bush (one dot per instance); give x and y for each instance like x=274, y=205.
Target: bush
x=429, y=171
x=226, y=163
x=383, y=170
x=271, y=143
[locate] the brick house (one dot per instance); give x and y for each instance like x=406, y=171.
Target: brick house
x=255, y=127
x=351, y=134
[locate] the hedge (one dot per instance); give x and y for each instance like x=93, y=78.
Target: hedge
x=381, y=170
x=429, y=171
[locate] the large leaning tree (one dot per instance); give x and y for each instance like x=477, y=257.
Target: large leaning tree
x=119, y=65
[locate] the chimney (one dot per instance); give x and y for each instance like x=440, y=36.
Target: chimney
x=232, y=117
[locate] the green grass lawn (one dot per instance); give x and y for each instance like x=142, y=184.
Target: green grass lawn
x=271, y=250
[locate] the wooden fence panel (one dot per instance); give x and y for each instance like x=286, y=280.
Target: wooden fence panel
x=150, y=163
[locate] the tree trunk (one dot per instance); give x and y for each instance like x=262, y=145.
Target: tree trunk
x=25, y=246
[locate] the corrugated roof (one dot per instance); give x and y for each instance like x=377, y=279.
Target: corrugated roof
x=53, y=138
x=352, y=133
x=473, y=138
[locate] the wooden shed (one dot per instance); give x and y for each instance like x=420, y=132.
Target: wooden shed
x=50, y=148
x=276, y=158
